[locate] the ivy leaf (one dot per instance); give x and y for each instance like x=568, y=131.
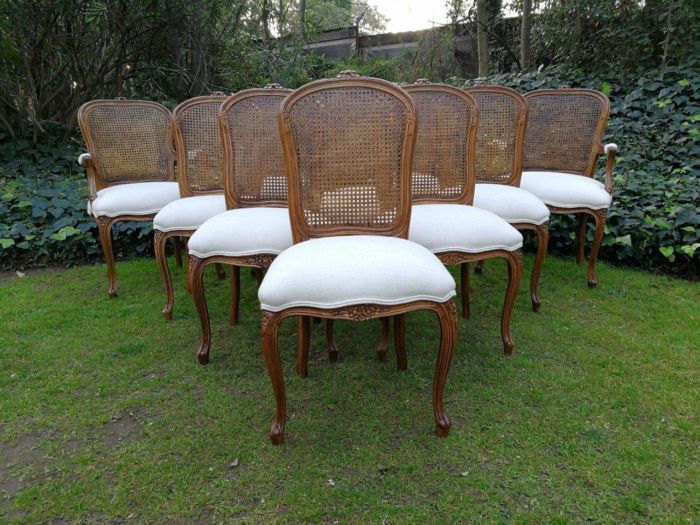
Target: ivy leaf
x=6, y=243
x=625, y=240
x=606, y=88
x=689, y=249
x=667, y=252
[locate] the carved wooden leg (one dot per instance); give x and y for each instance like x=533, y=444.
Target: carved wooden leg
x=220, y=272
x=197, y=266
x=330, y=343
x=384, y=343
x=515, y=270
x=479, y=268
x=105, y=228
x=464, y=289
x=235, y=294
x=542, y=232
x=178, y=252
x=581, y=237
x=270, y=325
x=400, y=341
x=304, y=343
x=600, y=216
x=447, y=315
x=259, y=275
x=187, y=268
x=159, y=241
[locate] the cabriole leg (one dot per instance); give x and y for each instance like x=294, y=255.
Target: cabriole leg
x=235, y=293
x=464, y=289
x=542, y=232
x=384, y=343
x=270, y=325
x=159, y=242
x=197, y=266
x=330, y=343
x=304, y=343
x=447, y=315
x=581, y=237
x=400, y=341
x=599, y=216
x=178, y=252
x=105, y=228
x=515, y=270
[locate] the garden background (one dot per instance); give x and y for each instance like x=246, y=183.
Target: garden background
x=56, y=55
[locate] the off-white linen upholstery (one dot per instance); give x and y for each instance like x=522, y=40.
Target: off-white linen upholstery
x=461, y=228
x=333, y=272
x=243, y=231
x=566, y=190
x=138, y=198
x=510, y=203
x=189, y=213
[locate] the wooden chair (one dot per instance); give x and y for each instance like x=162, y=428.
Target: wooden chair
x=255, y=229
x=562, y=143
x=129, y=165
x=443, y=218
x=499, y=162
x=348, y=146
x=200, y=164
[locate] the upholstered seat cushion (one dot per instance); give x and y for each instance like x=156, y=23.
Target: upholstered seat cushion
x=189, y=213
x=461, y=228
x=510, y=203
x=333, y=272
x=243, y=231
x=138, y=198
x=566, y=190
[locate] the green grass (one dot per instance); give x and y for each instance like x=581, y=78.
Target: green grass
x=105, y=415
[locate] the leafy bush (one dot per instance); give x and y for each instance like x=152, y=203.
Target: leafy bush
x=43, y=217
x=654, y=221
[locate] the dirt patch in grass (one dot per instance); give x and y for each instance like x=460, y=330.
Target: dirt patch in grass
x=121, y=430
x=15, y=457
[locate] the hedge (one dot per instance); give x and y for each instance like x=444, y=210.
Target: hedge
x=653, y=223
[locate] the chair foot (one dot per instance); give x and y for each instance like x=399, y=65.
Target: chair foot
x=276, y=434
x=332, y=349
x=112, y=293
x=168, y=315
x=508, y=348
x=592, y=283
x=443, y=429
x=203, y=355
x=535, y=303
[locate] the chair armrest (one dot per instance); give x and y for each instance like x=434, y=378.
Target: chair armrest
x=611, y=151
x=85, y=160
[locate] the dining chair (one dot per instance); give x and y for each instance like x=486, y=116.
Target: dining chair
x=348, y=146
x=200, y=170
x=499, y=164
x=255, y=228
x=562, y=143
x=443, y=218
x=129, y=165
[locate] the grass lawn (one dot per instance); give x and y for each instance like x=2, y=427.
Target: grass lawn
x=106, y=417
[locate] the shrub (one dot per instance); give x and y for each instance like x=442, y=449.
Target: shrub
x=654, y=221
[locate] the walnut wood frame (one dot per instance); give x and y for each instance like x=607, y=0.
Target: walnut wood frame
x=446, y=311
x=514, y=259
x=258, y=261
x=96, y=181
x=186, y=190
x=599, y=215
x=541, y=230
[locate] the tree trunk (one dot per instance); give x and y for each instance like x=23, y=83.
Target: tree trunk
x=482, y=37
x=265, y=18
x=302, y=18
x=525, y=35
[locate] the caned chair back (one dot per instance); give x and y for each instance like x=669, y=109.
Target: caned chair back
x=129, y=141
x=444, y=159
x=564, y=130
x=499, y=140
x=253, y=158
x=200, y=158
x=348, y=145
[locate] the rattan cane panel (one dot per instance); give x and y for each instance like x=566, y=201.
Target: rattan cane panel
x=349, y=146
x=204, y=159
x=561, y=131
x=258, y=172
x=440, y=159
x=496, y=140
x=130, y=142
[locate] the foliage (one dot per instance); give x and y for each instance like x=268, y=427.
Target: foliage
x=43, y=220
x=106, y=417
x=655, y=120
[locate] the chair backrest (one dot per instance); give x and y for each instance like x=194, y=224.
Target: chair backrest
x=564, y=130
x=200, y=158
x=129, y=141
x=499, y=141
x=348, y=145
x=253, y=158
x=444, y=158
